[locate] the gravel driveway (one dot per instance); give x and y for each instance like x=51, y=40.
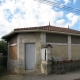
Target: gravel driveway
x=30, y=76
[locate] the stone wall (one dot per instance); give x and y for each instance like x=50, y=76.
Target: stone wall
x=12, y=65
x=75, y=51
x=13, y=40
x=28, y=38
x=16, y=56
x=60, y=52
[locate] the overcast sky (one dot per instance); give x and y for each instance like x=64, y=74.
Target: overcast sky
x=30, y=13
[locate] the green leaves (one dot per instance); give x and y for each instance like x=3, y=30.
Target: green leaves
x=3, y=47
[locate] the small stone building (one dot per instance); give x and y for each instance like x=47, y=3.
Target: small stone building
x=25, y=44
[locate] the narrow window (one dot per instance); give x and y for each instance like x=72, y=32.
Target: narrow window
x=45, y=54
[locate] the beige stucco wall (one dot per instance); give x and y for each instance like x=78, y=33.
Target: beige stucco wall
x=75, y=51
x=28, y=38
x=60, y=52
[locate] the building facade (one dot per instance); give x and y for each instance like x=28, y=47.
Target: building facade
x=25, y=45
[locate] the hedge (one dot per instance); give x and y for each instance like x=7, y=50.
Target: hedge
x=65, y=66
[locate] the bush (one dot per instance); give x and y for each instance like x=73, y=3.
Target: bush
x=3, y=47
x=4, y=61
x=2, y=69
x=66, y=66
x=3, y=65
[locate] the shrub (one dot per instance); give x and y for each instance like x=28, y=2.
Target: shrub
x=4, y=61
x=3, y=66
x=66, y=66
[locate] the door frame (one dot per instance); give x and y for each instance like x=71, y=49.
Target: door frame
x=25, y=54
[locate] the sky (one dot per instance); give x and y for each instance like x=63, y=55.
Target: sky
x=30, y=13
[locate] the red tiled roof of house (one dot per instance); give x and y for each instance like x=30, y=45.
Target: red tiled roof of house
x=50, y=28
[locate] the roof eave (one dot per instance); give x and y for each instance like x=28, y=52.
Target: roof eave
x=38, y=30
x=60, y=32
x=20, y=31
x=5, y=36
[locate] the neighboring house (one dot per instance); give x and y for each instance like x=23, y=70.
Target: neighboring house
x=25, y=44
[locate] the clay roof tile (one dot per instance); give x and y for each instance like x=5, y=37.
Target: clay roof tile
x=50, y=28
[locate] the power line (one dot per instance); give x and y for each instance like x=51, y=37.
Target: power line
x=61, y=6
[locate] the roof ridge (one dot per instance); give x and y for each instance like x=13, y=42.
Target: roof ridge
x=50, y=28
x=65, y=28
x=46, y=29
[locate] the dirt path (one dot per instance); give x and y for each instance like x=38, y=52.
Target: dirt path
x=67, y=76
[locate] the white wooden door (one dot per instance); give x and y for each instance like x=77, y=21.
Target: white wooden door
x=30, y=56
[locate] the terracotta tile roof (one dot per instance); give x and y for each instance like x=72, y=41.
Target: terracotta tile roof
x=50, y=28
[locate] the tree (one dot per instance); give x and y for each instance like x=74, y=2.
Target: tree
x=3, y=47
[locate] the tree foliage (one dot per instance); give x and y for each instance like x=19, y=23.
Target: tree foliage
x=3, y=47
